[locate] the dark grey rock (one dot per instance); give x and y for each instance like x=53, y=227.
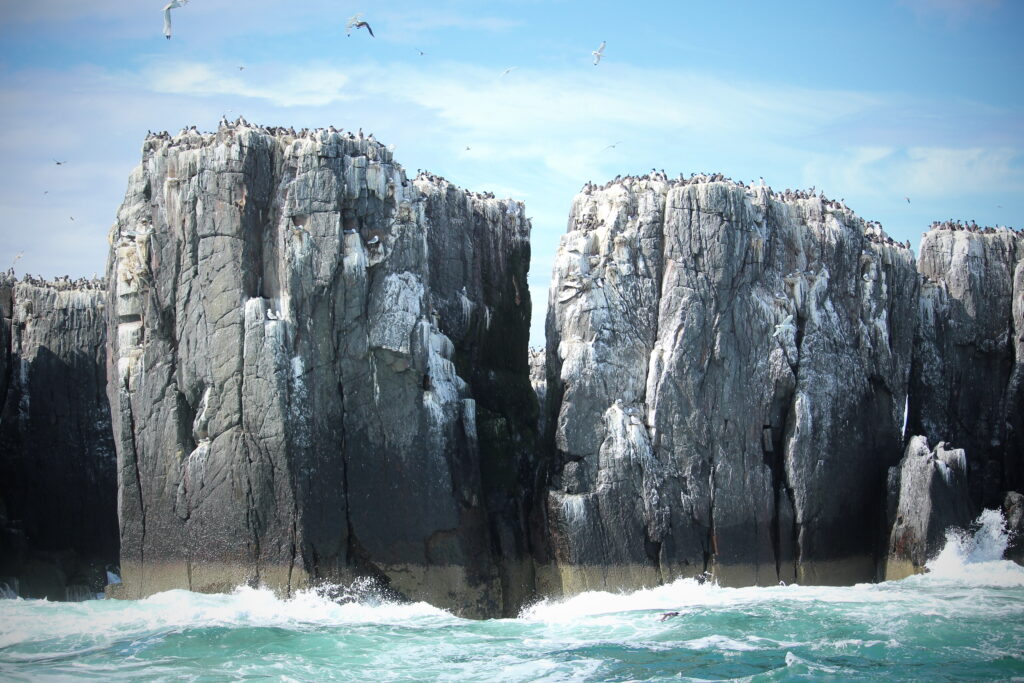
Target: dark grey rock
x=720, y=358
x=318, y=372
x=58, y=491
x=928, y=495
x=1013, y=512
x=966, y=382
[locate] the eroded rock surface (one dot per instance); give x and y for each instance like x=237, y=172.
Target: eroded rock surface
x=58, y=491
x=728, y=372
x=318, y=371
x=927, y=495
x=967, y=383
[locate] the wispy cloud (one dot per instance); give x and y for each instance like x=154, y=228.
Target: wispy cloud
x=921, y=172
x=313, y=85
x=536, y=134
x=563, y=119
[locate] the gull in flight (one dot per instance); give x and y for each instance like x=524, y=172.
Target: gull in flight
x=613, y=146
x=908, y=199
x=59, y=163
x=418, y=51
x=507, y=71
x=357, y=22
x=173, y=4
x=598, y=53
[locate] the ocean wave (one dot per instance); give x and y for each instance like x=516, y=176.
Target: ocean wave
x=974, y=558
x=177, y=610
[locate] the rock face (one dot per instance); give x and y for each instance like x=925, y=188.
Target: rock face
x=727, y=380
x=539, y=382
x=967, y=382
x=927, y=495
x=318, y=370
x=1013, y=513
x=58, y=491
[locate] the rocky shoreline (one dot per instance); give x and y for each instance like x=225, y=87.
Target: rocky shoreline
x=317, y=370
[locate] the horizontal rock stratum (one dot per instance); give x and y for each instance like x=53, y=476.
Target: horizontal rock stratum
x=318, y=370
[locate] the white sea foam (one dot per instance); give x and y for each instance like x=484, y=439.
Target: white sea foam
x=33, y=620
x=968, y=560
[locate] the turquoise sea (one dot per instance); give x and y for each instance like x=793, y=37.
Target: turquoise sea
x=964, y=620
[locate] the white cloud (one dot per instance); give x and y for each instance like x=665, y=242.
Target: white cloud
x=308, y=86
x=534, y=134
x=920, y=172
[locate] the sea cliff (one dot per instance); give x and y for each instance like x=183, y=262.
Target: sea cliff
x=58, y=487
x=318, y=371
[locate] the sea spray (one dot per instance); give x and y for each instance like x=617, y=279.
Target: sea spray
x=974, y=557
x=964, y=619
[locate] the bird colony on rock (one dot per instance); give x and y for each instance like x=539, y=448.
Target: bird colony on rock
x=317, y=371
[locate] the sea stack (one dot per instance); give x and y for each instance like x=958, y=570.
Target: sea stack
x=318, y=371
x=967, y=384
x=58, y=487
x=927, y=496
x=727, y=375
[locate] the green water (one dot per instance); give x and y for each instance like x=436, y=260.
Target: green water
x=963, y=621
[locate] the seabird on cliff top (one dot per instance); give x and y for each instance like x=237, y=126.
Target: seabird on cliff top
x=173, y=4
x=356, y=22
x=598, y=53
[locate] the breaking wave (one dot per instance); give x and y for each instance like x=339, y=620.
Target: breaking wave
x=962, y=619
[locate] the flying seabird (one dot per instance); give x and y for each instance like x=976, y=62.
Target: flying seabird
x=357, y=22
x=506, y=71
x=418, y=51
x=241, y=68
x=598, y=53
x=173, y=4
x=613, y=146
x=59, y=163
x=908, y=199
x=668, y=615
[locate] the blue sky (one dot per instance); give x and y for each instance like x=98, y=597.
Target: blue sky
x=871, y=101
